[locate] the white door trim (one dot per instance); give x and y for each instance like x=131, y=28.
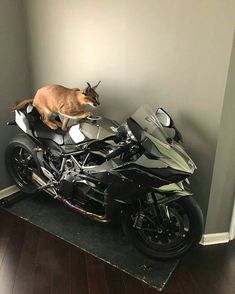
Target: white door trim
x=8, y=191
x=217, y=238
x=232, y=224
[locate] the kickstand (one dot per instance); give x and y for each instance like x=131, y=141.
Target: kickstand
x=12, y=199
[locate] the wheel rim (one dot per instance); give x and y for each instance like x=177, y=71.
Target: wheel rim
x=22, y=164
x=168, y=236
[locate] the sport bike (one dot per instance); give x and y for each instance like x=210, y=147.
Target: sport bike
x=135, y=173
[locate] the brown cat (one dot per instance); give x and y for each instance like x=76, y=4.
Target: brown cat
x=53, y=100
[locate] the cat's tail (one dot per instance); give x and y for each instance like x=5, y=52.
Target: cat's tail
x=21, y=104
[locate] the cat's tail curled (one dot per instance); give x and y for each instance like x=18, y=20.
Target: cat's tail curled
x=21, y=104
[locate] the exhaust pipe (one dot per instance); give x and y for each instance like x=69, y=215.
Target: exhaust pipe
x=42, y=183
x=97, y=217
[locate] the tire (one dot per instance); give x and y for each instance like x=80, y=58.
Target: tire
x=168, y=251
x=20, y=172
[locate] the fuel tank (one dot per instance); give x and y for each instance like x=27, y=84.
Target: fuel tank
x=98, y=129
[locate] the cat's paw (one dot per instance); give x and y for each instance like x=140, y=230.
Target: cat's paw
x=51, y=125
x=59, y=124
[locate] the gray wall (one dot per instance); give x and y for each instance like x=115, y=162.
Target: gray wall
x=14, y=75
x=173, y=54
x=222, y=188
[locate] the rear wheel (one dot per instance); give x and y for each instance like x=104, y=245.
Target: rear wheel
x=21, y=160
x=177, y=234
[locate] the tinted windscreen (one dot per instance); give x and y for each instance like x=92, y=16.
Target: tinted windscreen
x=147, y=119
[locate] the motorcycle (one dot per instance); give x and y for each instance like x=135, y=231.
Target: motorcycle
x=135, y=173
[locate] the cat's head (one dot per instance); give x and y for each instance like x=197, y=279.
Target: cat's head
x=91, y=96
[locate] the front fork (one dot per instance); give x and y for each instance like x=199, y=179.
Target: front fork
x=159, y=213
x=155, y=209
x=159, y=206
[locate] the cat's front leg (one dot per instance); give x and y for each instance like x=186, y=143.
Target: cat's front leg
x=65, y=123
x=85, y=114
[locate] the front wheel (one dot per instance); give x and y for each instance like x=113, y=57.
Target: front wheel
x=180, y=231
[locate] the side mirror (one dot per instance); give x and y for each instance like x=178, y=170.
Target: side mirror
x=168, y=122
x=164, y=118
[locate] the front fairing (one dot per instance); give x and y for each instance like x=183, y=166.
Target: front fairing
x=174, y=155
x=170, y=154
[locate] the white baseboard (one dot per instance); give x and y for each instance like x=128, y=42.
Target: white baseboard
x=8, y=191
x=232, y=224
x=217, y=238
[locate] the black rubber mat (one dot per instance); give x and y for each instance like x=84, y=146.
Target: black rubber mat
x=105, y=241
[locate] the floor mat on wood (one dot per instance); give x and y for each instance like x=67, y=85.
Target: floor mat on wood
x=105, y=241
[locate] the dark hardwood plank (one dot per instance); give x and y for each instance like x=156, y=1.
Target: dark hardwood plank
x=11, y=258
x=95, y=275
x=3, y=248
x=132, y=285
x=180, y=283
x=6, y=223
x=77, y=271
x=60, y=274
x=5, y=232
x=24, y=281
x=114, y=280
x=44, y=264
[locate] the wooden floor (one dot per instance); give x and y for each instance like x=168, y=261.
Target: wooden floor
x=33, y=261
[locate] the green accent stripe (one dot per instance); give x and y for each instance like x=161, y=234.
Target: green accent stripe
x=168, y=188
x=100, y=192
x=169, y=152
x=97, y=200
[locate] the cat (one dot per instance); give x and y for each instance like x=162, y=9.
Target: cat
x=53, y=100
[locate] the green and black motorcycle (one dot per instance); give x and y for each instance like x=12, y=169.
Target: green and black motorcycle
x=135, y=173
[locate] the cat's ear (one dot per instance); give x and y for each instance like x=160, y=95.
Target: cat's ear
x=96, y=85
x=89, y=86
x=87, y=89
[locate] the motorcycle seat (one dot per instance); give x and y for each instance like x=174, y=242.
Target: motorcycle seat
x=41, y=131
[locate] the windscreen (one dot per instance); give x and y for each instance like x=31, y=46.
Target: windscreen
x=149, y=122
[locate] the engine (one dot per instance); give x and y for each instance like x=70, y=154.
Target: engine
x=79, y=188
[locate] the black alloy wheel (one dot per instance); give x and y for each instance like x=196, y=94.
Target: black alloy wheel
x=21, y=161
x=180, y=232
